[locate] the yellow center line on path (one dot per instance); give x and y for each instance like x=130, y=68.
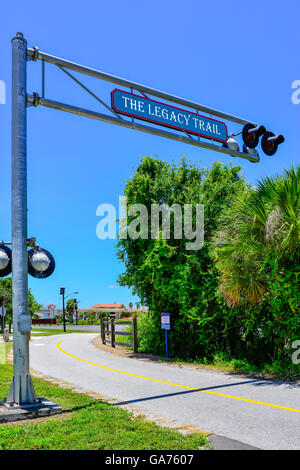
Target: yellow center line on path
x=177, y=385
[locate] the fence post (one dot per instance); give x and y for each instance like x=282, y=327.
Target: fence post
x=106, y=329
x=135, y=345
x=112, y=328
x=102, y=331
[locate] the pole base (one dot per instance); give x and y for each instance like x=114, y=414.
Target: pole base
x=21, y=391
x=12, y=412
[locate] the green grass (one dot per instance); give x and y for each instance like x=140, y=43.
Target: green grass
x=46, y=332
x=87, y=424
x=124, y=338
x=4, y=350
x=221, y=362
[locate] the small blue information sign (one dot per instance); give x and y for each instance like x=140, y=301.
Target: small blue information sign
x=165, y=325
x=165, y=321
x=167, y=115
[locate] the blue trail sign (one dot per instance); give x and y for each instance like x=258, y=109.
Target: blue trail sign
x=165, y=321
x=166, y=115
x=165, y=325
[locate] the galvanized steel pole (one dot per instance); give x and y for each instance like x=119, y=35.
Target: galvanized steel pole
x=21, y=391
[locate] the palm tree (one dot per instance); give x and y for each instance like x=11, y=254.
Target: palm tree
x=261, y=228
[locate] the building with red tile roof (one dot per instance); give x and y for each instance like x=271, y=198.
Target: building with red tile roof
x=115, y=305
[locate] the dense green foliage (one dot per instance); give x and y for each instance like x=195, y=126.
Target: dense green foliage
x=165, y=275
x=70, y=309
x=257, y=251
x=190, y=284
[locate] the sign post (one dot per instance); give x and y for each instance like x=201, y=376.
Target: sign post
x=165, y=325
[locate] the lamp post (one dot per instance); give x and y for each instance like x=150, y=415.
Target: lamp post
x=62, y=293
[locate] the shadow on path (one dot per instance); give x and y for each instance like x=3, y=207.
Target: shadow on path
x=168, y=395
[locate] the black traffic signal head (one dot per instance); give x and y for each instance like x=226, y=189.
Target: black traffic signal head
x=270, y=142
x=5, y=260
x=251, y=135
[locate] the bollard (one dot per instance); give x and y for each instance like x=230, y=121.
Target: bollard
x=6, y=335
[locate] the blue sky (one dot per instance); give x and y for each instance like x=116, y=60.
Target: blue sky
x=238, y=57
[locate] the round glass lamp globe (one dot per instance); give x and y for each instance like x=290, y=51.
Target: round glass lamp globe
x=40, y=262
x=4, y=260
x=232, y=144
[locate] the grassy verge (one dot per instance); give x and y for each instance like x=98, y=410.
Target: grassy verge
x=4, y=351
x=46, y=332
x=275, y=371
x=87, y=424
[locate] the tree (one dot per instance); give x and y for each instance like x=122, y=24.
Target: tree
x=70, y=309
x=6, y=299
x=92, y=316
x=257, y=252
x=130, y=305
x=162, y=273
x=260, y=233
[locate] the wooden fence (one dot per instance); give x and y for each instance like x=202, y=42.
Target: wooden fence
x=108, y=327
x=43, y=321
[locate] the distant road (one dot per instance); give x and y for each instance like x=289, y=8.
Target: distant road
x=91, y=328
x=256, y=412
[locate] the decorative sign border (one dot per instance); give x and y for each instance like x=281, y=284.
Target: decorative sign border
x=142, y=110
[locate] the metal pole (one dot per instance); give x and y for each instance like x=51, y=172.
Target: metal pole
x=64, y=315
x=21, y=391
x=167, y=343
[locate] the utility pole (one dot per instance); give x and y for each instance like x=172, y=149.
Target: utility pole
x=64, y=313
x=62, y=292
x=21, y=390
